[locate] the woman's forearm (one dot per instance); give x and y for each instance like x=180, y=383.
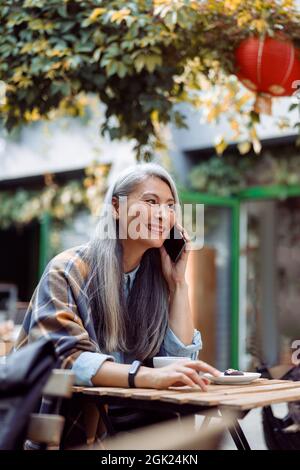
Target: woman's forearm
x=180, y=315
x=112, y=374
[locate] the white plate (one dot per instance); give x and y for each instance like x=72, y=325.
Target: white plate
x=247, y=378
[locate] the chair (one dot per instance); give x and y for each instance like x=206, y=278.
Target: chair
x=8, y=301
x=45, y=429
x=282, y=433
x=30, y=382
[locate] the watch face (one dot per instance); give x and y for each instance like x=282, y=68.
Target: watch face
x=135, y=366
x=132, y=372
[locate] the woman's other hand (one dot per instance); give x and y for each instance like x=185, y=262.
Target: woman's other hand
x=178, y=374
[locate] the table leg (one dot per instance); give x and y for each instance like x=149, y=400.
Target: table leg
x=239, y=437
x=205, y=423
x=106, y=420
x=236, y=431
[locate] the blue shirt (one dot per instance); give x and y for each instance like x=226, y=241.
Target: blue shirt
x=88, y=363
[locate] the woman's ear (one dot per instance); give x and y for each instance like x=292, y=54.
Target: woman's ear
x=115, y=203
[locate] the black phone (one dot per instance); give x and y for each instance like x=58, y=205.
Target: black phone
x=175, y=244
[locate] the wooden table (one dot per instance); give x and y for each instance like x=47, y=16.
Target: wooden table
x=219, y=400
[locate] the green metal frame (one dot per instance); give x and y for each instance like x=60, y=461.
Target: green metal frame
x=233, y=202
x=269, y=192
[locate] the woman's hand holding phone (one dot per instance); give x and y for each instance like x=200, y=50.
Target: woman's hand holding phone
x=180, y=315
x=174, y=273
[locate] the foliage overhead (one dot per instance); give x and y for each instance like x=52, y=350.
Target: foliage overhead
x=61, y=202
x=140, y=57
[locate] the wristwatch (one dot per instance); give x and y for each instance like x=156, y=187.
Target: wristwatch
x=132, y=372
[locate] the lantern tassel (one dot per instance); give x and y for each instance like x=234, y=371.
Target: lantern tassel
x=263, y=104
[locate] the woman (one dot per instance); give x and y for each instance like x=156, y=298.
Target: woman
x=119, y=298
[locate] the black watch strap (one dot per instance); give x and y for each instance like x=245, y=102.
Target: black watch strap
x=132, y=372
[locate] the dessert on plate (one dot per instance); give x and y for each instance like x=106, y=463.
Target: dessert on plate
x=233, y=372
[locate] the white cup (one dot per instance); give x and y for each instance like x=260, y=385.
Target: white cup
x=162, y=361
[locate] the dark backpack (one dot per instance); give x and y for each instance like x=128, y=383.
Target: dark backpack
x=276, y=434
x=22, y=379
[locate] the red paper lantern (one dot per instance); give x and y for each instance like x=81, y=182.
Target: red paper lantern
x=268, y=65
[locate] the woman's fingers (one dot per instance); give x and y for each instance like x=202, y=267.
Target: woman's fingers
x=164, y=256
x=204, y=367
x=183, y=378
x=190, y=376
x=201, y=366
x=205, y=380
x=184, y=232
x=164, y=253
x=193, y=375
x=187, y=238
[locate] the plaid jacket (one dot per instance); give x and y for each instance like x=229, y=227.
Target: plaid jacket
x=59, y=309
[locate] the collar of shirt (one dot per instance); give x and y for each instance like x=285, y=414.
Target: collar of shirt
x=129, y=277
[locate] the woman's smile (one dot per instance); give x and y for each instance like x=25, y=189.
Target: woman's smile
x=156, y=229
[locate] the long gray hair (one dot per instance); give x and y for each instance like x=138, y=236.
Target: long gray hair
x=137, y=325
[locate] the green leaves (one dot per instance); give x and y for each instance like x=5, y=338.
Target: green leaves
x=149, y=62
x=138, y=56
x=219, y=175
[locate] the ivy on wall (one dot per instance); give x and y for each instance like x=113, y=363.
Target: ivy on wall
x=21, y=207
x=227, y=175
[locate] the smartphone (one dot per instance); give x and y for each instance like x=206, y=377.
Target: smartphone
x=175, y=244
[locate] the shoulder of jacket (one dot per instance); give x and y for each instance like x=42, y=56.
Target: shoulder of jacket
x=71, y=261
